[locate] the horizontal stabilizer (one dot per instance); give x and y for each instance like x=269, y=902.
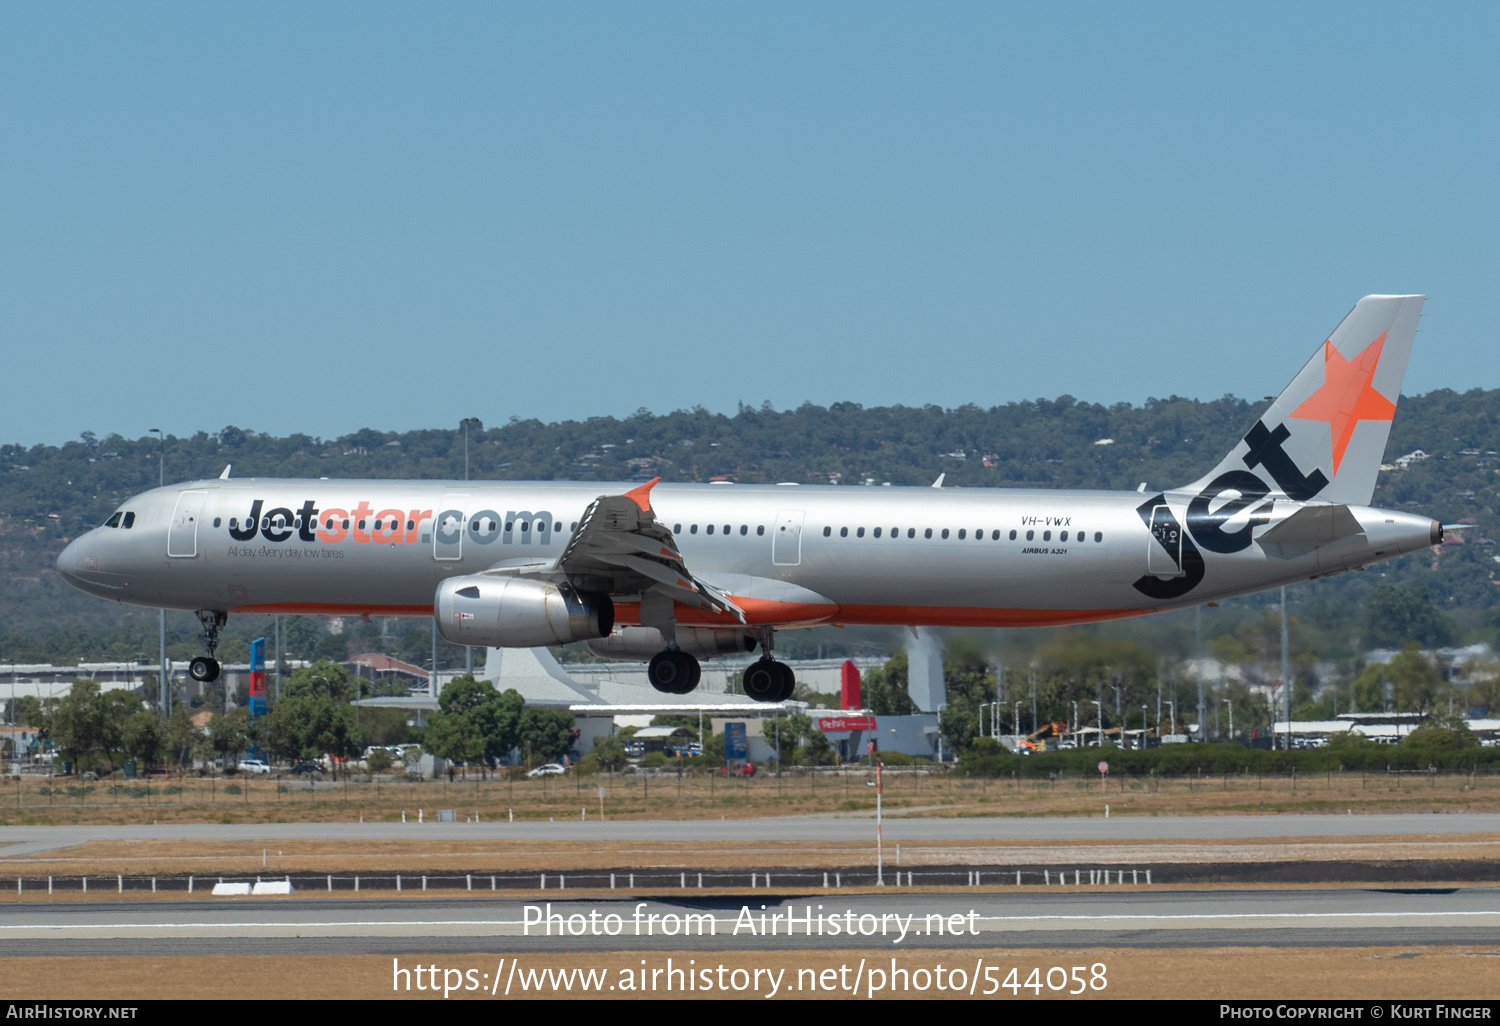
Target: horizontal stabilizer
x=1309, y=528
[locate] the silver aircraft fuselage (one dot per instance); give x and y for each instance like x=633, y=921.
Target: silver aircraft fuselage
x=789, y=555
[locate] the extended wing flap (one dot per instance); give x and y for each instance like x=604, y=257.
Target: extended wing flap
x=619, y=538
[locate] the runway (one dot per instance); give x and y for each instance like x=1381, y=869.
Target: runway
x=30, y=840
x=881, y=922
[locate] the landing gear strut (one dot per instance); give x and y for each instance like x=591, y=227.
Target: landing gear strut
x=206, y=668
x=674, y=672
x=767, y=680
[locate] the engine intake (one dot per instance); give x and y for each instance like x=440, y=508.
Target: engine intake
x=515, y=612
x=640, y=643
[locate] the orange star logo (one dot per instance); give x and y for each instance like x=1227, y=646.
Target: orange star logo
x=1347, y=396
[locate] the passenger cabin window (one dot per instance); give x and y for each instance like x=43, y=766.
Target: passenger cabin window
x=676, y=528
x=114, y=521
x=1046, y=536
x=693, y=529
x=927, y=533
x=962, y=534
x=877, y=532
x=1063, y=536
x=726, y=528
x=1030, y=535
x=1012, y=535
x=827, y=531
x=744, y=529
x=710, y=529
x=761, y=529
x=843, y=532
x=1098, y=536
x=945, y=532
x=859, y=533
x=129, y=521
x=911, y=532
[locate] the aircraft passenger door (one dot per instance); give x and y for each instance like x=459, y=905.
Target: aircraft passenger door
x=182, y=533
x=786, y=542
x=1164, y=550
x=448, y=528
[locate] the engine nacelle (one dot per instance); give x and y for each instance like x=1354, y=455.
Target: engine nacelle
x=515, y=612
x=641, y=643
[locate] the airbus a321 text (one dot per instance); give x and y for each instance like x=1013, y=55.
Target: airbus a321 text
x=677, y=572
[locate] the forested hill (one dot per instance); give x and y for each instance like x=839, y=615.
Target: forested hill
x=49, y=494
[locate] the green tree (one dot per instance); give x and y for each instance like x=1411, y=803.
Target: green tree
x=1397, y=615
x=883, y=689
x=475, y=721
x=181, y=741
x=323, y=677
x=142, y=735
x=454, y=736
x=1410, y=681
x=78, y=726
x=230, y=734
x=547, y=732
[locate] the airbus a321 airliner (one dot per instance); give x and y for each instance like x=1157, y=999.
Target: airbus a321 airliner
x=677, y=572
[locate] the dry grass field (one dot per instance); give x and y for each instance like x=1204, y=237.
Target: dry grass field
x=1244, y=973
x=638, y=796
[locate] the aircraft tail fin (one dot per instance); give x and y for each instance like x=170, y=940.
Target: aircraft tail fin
x=1324, y=436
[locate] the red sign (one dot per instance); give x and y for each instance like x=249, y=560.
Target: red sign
x=1103, y=768
x=832, y=724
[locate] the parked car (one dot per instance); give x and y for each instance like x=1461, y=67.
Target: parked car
x=747, y=770
x=254, y=766
x=550, y=769
x=307, y=767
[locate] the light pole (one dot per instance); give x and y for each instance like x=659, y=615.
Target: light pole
x=1100, y=743
x=162, y=699
x=1286, y=672
x=982, y=707
x=1198, y=662
x=468, y=649
x=1172, y=705
x=1230, y=703
x=1015, y=718
x=1145, y=726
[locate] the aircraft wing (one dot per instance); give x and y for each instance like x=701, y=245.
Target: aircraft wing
x=619, y=539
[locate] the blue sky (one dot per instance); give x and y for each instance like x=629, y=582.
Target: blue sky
x=296, y=217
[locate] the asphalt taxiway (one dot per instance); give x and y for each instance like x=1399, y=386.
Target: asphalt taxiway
x=1137, y=918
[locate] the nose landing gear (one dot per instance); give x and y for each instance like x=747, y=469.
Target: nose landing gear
x=206, y=668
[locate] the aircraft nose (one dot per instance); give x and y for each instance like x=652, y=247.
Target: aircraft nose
x=70, y=560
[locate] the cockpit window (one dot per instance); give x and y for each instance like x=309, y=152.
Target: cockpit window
x=129, y=520
x=113, y=521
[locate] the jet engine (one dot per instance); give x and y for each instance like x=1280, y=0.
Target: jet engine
x=516, y=612
x=641, y=643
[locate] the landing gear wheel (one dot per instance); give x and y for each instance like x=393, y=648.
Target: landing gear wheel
x=764, y=680
x=203, y=669
x=673, y=672
x=788, y=682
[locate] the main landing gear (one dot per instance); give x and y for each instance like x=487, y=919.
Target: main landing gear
x=674, y=672
x=206, y=668
x=767, y=680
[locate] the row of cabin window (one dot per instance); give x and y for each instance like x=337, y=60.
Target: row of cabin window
x=911, y=532
x=121, y=519
x=728, y=528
